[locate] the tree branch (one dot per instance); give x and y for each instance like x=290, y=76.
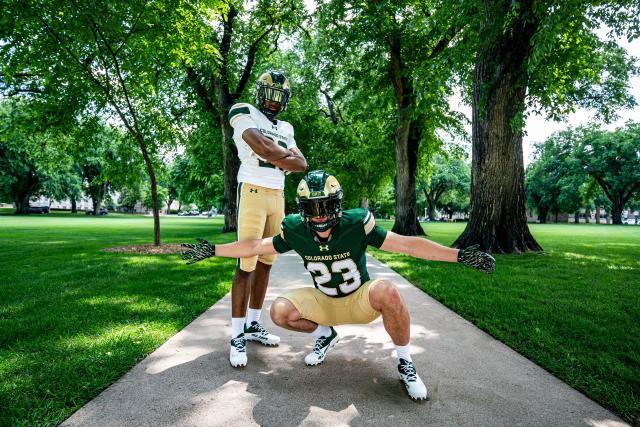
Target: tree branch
x=604, y=185
x=125, y=92
x=334, y=118
x=632, y=191
x=133, y=27
x=21, y=75
x=225, y=43
x=251, y=57
x=85, y=66
x=444, y=42
x=17, y=91
x=201, y=91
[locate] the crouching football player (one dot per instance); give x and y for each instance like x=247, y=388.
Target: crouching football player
x=332, y=244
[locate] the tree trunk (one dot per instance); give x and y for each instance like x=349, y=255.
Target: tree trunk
x=616, y=210
x=576, y=217
x=405, y=203
x=74, y=205
x=431, y=205
x=154, y=188
x=597, y=214
x=169, y=202
x=22, y=191
x=97, y=203
x=22, y=204
x=498, y=219
x=542, y=215
x=97, y=195
x=587, y=216
x=407, y=139
x=231, y=165
x=364, y=203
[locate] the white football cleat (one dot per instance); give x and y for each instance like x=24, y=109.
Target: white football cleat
x=238, y=351
x=321, y=348
x=257, y=333
x=412, y=382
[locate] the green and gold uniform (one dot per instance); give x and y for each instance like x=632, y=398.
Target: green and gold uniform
x=338, y=266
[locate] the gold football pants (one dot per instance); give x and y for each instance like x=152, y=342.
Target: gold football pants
x=260, y=212
x=324, y=310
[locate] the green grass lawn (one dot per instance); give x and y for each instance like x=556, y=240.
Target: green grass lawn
x=574, y=309
x=73, y=319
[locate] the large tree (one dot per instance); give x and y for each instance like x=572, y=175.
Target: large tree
x=544, y=54
x=342, y=124
x=31, y=150
x=219, y=62
x=613, y=160
x=400, y=48
x=446, y=175
x=554, y=178
x=115, y=56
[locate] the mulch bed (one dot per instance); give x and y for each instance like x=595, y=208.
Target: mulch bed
x=167, y=248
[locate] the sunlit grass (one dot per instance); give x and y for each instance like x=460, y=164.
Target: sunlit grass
x=573, y=309
x=73, y=318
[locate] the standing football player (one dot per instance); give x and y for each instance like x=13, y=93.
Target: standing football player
x=266, y=149
x=332, y=244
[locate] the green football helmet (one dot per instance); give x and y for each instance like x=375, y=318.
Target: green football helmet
x=319, y=195
x=272, y=86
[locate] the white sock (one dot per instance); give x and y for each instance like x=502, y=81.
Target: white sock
x=404, y=352
x=253, y=315
x=321, y=331
x=237, y=326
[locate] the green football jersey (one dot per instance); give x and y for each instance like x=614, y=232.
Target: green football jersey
x=338, y=266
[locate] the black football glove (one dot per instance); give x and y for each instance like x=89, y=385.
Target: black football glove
x=475, y=258
x=198, y=251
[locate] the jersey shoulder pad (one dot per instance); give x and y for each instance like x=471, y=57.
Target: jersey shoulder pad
x=240, y=110
x=292, y=223
x=359, y=217
x=354, y=216
x=286, y=125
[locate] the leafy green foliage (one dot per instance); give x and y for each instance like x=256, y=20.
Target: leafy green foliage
x=112, y=58
x=553, y=178
x=446, y=186
x=79, y=318
x=571, y=310
x=32, y=150
x=613, y=160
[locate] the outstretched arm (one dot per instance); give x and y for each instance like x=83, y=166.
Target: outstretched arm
x=419, y=248
x=246, y=248
x=195, y=252
x=432, y=251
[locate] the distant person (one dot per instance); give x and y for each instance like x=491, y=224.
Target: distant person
x=266, y=149
x=332, y=244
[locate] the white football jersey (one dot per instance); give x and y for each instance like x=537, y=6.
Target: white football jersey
x=253, y=169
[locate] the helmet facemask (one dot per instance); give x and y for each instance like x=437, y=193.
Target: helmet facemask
x=272, y=86
x=327, y=207
x=319, y=195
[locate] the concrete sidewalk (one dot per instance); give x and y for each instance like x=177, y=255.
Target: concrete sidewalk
x=473, y=379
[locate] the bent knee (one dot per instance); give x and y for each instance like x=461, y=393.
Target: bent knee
x=282, y=310
x=384, y=294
